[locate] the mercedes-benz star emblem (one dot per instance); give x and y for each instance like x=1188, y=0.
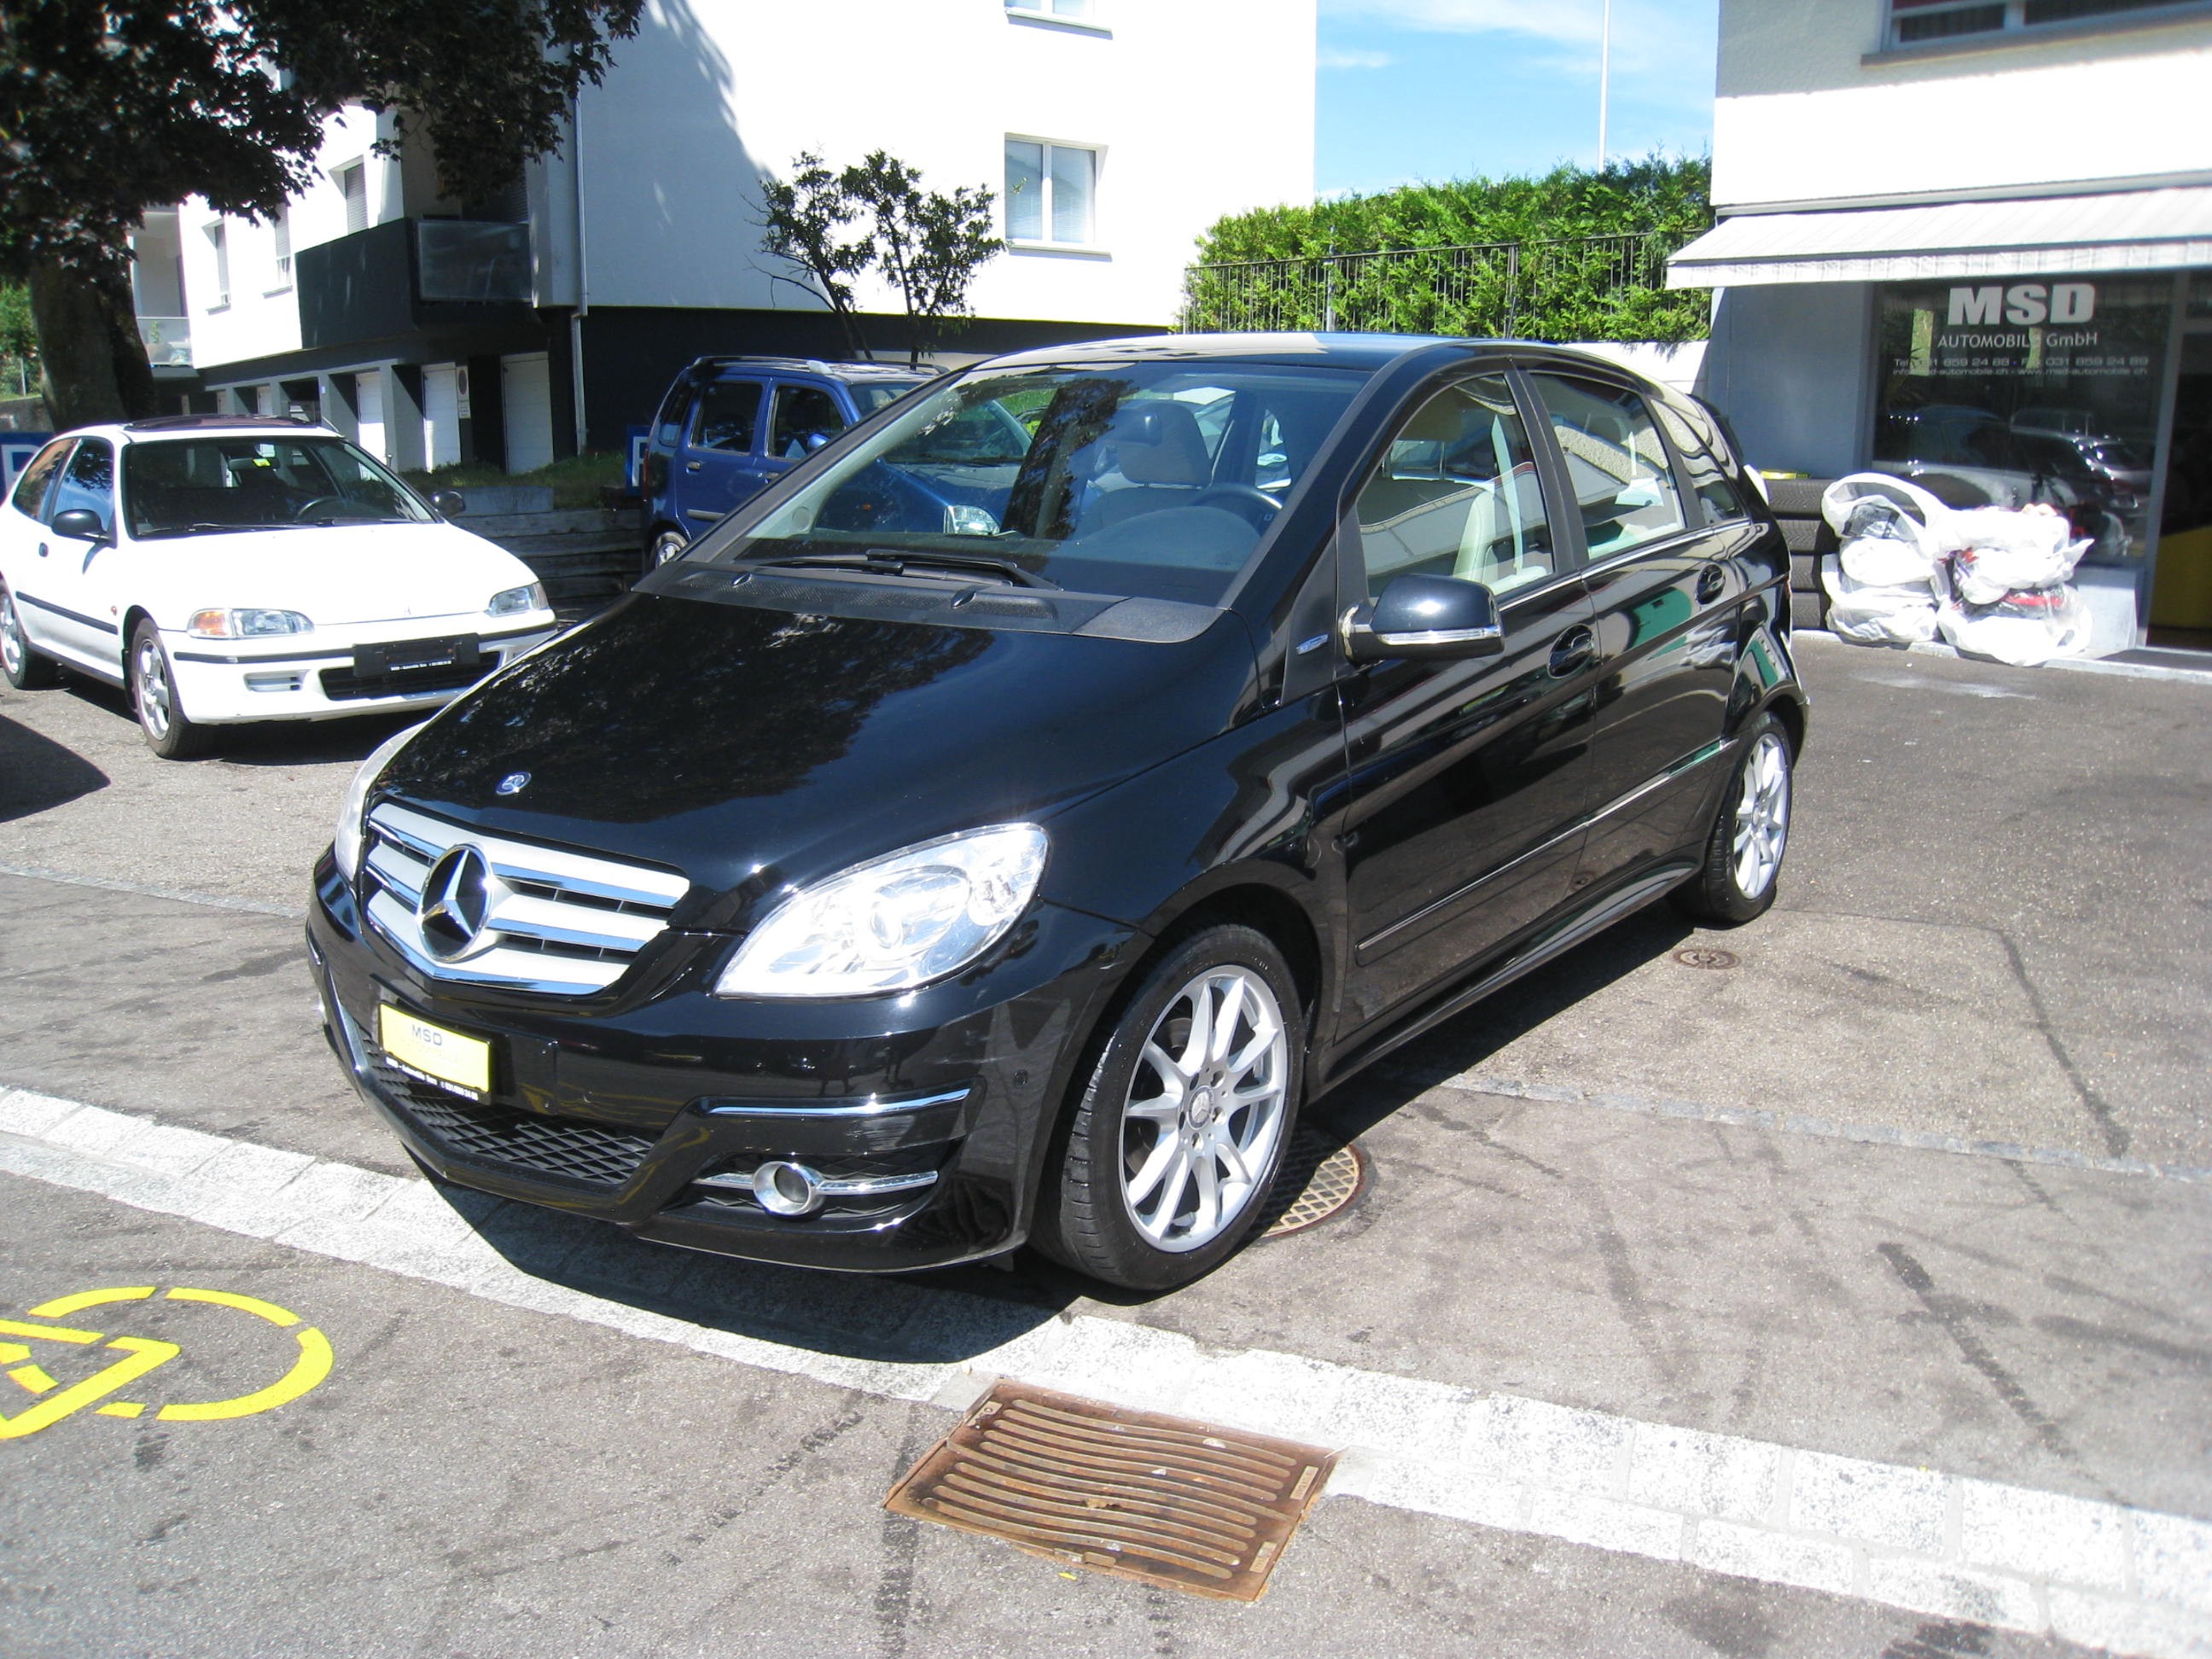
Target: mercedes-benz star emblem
x=456, y=899
x=513, y=783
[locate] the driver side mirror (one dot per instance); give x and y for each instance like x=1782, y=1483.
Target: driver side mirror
x=1424, y=619
x=449, y=504
x=80, y=524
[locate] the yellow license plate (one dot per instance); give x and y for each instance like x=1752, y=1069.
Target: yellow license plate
x=443, y=1056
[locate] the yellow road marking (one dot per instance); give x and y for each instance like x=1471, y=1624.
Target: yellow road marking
x=33, y=1378
x=62, y=1306
x=119, y=1408
x=51, y=1333
x=252, y=1304
x=311, y=1367
x=141, y=1354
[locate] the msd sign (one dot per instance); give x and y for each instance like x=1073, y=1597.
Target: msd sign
x=2024, y=302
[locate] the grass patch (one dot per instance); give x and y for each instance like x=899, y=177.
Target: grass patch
x=576, y=481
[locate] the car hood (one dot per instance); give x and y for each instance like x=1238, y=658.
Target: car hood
x=338, y=573
x=754, y=748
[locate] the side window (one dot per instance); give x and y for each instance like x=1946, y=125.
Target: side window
x=729, y=416
x=1622, y=482
x=88, y=481
x=668, y=424
x=1700, y=447
x=807, y=417
x=1457, y=494
x=39, y=477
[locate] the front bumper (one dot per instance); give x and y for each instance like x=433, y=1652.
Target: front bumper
x=227, y=682
x=615, y=1112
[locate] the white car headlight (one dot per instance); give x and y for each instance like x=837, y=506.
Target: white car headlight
x=245, y=624
x=894, y=922
x=516, y=600
x=346, y=842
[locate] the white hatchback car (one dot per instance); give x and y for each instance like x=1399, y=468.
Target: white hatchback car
x=227, y=569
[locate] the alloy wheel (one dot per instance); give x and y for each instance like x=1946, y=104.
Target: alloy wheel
x=1762, y=815
x=1205, y=1109
x=155, y=697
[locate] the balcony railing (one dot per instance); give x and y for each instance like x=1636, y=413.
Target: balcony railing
x=168, y=340
x=472, y=260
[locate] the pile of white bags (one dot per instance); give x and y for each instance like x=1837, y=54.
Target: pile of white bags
x=1990, y=579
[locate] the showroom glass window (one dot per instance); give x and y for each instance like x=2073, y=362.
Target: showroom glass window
x=2004, y=393
x=1457, y=494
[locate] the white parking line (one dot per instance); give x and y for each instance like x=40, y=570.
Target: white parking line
x=2131, y=1581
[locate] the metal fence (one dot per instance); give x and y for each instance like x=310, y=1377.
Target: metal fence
x=1590, y=288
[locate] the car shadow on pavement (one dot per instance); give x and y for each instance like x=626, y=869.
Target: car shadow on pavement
x=36, y=774
x=263, y=743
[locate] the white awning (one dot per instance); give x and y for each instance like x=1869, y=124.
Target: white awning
x=2125, y=230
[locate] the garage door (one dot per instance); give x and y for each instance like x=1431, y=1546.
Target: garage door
x=442, y=413
x=526, y=389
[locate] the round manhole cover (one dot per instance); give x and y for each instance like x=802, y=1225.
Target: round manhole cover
x=1706, y=957
x=1319, y=1177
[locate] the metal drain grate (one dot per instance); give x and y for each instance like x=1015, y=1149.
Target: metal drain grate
x=1159, y=1499
x=1706, y=957
x=1318, y=1179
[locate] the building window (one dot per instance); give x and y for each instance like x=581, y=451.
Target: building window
x=1051, y=193
x=1066, y=11
x=353, y=184
x=1917, y=22
x=280, y=234
x=218, y=235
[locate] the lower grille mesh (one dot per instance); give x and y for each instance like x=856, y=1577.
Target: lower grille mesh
x=1134, y=1494
x=595, y=1153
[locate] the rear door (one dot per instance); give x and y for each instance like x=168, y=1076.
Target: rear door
x=1470, y=780
x=720, y=463
x=1664, y=593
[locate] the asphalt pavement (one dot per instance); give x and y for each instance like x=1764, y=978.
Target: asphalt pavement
x=1916, y=1187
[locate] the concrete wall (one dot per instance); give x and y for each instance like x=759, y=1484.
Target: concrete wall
x=1801, y=115
x=1792, y=367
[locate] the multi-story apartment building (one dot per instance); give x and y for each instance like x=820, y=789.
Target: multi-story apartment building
x=1977, y=235
x=1113, y=132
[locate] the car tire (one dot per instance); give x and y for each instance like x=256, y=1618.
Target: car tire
x=1742, y=864
x=154, y=699
x=662, y=546
x=20, y=661
x=1128, y=1202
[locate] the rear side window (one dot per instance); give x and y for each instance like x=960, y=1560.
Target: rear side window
x=807, y=417
x=1457, y=494
x=1700, y=446
x=729, y=416
x=39, y=477
x=88, y=481
x=1623, y=482
x=668, y=425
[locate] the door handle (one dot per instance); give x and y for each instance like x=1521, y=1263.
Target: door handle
x=1571, y=652
x=692, y=466
x=1712, y=580
x=42, y=549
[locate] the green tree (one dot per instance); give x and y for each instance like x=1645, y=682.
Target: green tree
x=929, y=244
x=805, y=222
x=109, y=107
x=19, y=339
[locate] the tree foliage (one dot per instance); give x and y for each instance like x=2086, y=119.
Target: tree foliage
x=928, y=245
x=1574, y=254
x=109, y=107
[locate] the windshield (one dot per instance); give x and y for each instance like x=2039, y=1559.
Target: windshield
x=186, y=486
x=1153, y=480
x=869, y=396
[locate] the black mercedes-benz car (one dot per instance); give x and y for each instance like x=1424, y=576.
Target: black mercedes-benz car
x=883, y=884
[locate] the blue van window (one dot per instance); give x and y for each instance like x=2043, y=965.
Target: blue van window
x=807, y=417
x=729, y=416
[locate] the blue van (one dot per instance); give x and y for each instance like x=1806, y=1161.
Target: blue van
x=729, y=425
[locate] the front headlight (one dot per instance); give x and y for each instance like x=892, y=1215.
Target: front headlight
x=245, y=624
x=516, y=600
x=894, y=922
x=346, y=843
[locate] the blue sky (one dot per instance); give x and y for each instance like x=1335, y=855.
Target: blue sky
x=1434, y=89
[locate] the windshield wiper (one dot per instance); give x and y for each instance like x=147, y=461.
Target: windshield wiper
x=888, y=562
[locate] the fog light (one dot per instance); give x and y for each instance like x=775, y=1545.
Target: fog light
x=272, y=682
x=788, y=1189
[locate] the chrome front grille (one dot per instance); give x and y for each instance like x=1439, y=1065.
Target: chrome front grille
x=555, y=921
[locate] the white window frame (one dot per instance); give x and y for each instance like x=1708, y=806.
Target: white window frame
x=359, y=168
x=218, y=235
x=1092, y=244
x=280, y=244
x=1086, y=18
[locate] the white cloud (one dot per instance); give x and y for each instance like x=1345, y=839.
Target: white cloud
x=1575, y=21
x=1334, y=58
